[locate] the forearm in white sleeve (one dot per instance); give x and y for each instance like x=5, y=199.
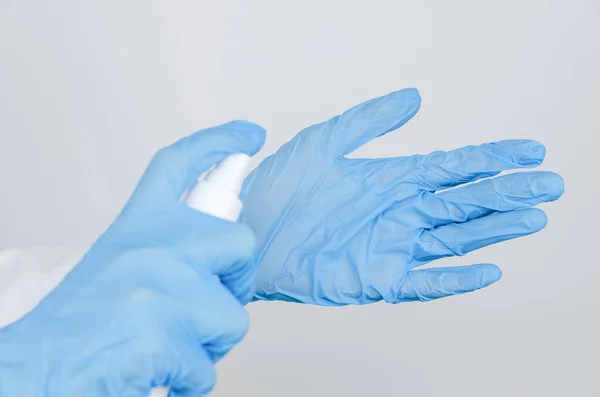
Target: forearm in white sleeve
x=27, y=275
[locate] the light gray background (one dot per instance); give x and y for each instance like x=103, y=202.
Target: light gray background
x=90, y=90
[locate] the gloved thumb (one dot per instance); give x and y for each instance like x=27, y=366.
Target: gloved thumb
x=175, y=169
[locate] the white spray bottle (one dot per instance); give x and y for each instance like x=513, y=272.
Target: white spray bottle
x=217, y=194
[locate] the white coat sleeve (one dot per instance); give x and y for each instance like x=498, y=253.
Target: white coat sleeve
x=27, y=275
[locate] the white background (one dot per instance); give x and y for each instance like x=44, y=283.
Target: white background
x=90, y=90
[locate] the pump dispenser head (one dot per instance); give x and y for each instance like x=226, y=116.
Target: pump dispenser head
x=229, y=174
x=217, y=193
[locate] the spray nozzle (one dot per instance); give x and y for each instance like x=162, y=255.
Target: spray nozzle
x=229, y=174
x=217, y=193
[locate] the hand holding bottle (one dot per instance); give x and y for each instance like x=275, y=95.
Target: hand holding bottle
x=155, y=301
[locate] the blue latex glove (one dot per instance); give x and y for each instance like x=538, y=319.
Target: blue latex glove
x=335, y=231
x=150, y=303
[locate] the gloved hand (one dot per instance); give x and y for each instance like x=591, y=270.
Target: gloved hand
x=333, y=230
x=149, y=304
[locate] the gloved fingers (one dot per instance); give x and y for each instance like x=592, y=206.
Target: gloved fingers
x=240, y=280
x=155, y=359
x=183, y=367
x=201, y=323
x=364, y=122
x=435, y=283
x=213, y=243
x=216, y=246
x=193, y=375
x=175, y=169
x=502, y=194
x=442, y=170
x=458, y=239
x=219, y=320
